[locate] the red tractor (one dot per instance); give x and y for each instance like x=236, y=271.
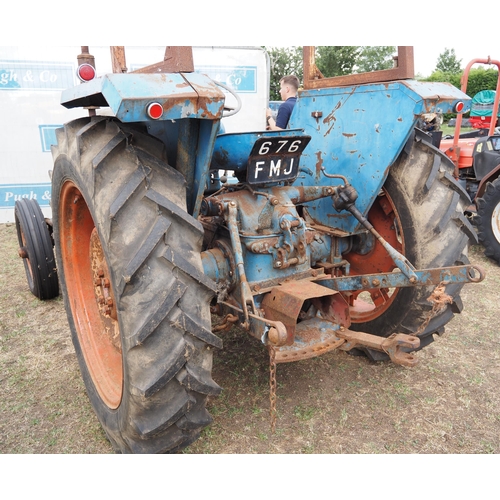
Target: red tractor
x=476, y=156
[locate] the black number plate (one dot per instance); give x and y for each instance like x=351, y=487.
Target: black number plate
x=275, y=159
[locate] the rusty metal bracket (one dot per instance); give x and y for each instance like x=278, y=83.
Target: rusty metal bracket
x=392, y=345
x=118, y=60
x=246, y=293
x=425, y=277
x=314, y=79
x=266, y=330
x=177, y=59
x=284, y=302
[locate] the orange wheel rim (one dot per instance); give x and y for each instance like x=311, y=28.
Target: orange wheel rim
x=90, y=295
x=369, y=304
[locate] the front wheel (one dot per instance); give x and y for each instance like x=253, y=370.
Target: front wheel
x=36, y=249
x=488, y=220
x=134, y=291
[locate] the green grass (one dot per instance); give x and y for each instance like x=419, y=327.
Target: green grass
x=304, y=413
x=451, y=130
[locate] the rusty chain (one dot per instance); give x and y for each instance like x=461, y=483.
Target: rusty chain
x=272, y=387
x=229, y=321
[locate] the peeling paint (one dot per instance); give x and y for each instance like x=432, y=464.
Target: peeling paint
x=319, y=164
x=331, y=117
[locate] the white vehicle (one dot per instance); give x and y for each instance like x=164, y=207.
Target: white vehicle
x=31, y=81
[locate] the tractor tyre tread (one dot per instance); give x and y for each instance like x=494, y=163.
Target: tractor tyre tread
x=430, y=204
x=486, y=206
x=40, y=266
x=163, y=303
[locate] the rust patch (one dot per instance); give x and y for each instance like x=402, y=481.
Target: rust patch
x=319, y=164
x=285, y=302
x=331, y=117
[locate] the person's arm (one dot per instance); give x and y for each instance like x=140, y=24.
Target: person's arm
x=271, y=123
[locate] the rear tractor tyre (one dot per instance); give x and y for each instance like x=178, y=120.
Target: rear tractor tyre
x=488, y=220
x=36, y=249
x=421, y=213
x=135, y=294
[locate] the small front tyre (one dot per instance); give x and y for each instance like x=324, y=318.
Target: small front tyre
x=36, y=249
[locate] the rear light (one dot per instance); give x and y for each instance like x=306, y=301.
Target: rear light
x=155, y=110
x=85, y=72
x=459, y=106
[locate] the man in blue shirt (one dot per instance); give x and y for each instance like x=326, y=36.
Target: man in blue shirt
x=289, y=85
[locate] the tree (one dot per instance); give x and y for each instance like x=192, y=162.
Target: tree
x=375, y=58
x=479, y=79
x=337, y=60
x=330, y=60
x=442, y=76
x=448, y=63
x=283, y=61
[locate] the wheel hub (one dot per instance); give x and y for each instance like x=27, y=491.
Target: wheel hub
x=370, y=304
x=103, y=291
x=495, y=222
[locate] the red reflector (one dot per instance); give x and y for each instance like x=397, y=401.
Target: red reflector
x=459, y=106
x=155, y=110
x=86, y=72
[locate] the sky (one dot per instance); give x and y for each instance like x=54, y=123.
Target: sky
x=426, y=56
x=430, y=29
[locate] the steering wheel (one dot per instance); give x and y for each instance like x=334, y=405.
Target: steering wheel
x=230, y=109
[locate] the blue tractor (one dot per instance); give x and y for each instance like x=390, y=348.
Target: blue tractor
x=332, y=234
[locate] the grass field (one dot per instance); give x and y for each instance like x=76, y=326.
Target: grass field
x=333, y=404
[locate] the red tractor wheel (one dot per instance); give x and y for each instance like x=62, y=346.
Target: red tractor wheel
x=137, y=301
x=370, y=304
x=93, y=304
x=420, y=212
